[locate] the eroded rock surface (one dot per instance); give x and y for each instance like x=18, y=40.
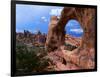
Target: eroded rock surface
x=56, y=33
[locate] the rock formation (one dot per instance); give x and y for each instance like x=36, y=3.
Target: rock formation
x=56, y=33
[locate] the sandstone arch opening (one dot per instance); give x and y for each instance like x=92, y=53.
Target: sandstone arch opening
x=56, y=33
x=73, y=35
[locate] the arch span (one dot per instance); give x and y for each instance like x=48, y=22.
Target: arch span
x=56, y=33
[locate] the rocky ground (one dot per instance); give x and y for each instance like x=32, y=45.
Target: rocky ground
x=66, y=57
x=63, y=59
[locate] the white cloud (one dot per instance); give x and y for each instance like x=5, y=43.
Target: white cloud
x=56, y=12
x=19, y=30
x=35, y=31
x=43, y=18
x=76, y=30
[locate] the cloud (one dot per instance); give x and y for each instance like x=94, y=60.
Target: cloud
x=76, y=30
x=19, y=30
x=73, y=23
x=56, y=12
x=43, y=18
x=35, y=31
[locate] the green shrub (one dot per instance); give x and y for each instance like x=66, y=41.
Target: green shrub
x=27, y=60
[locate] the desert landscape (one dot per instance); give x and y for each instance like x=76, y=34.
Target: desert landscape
x=57, y=50
x=65, y=58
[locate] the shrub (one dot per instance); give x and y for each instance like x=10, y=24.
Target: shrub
x=27, y=60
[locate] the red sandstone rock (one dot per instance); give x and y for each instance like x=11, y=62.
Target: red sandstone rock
x=84, y=56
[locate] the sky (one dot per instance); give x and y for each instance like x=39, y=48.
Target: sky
x=37, y=17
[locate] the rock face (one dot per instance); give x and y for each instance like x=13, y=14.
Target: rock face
x=54, y=36
x=56, y=33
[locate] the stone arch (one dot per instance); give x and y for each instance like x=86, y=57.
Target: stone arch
x=86, y=18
